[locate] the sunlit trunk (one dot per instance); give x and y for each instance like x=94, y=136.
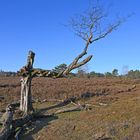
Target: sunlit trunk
x=26, y=98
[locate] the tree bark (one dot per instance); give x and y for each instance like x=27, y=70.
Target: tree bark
x=6, y=121
x=26, y=98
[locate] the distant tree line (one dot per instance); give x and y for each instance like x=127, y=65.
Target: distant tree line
x=7, y=73
x=82, y=73
x=133, y=74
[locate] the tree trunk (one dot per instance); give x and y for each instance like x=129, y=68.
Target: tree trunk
x=26, y=97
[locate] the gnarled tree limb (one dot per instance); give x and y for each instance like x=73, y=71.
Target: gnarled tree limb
x=6, y=121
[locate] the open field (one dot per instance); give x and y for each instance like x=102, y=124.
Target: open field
x=114, y=114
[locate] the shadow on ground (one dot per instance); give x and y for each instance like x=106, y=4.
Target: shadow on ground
x=36, y=126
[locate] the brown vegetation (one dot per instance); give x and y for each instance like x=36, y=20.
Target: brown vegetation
x=115, y=105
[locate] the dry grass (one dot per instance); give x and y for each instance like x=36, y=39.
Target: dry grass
x=118, y=120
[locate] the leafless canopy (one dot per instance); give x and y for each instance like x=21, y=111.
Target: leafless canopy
x=93, y=25
x=90, y=27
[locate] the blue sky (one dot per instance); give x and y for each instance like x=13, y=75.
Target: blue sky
x=38, y=25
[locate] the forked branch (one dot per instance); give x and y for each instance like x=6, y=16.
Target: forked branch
x=91, y=27
x=75, y=64
x=88, y=27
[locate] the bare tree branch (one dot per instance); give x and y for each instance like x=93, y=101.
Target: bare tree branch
x=90, y=28
x=109, y=30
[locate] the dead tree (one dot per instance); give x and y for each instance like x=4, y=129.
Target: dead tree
x=26, y=98
x=87, y=26
x=91, y=28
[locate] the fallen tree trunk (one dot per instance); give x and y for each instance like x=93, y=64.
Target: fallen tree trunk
x=62, y=103
x=6, y=123
x=9, y=126
x=75, y=108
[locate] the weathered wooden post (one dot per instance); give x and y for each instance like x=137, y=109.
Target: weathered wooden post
x=26, y=98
